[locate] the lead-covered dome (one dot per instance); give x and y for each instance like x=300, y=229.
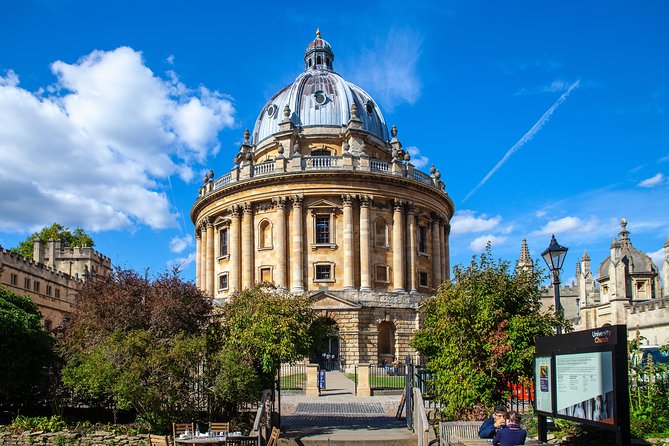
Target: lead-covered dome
x=320, y=97
x=637, y=261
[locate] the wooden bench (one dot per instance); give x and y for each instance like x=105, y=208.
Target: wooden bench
x=451, y=432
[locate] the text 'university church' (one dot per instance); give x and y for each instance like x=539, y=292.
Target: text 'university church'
x=323, y=200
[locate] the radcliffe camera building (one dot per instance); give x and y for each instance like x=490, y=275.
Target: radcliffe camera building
x=323, y=200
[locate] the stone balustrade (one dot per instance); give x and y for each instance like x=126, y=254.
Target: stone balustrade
x=279, y=165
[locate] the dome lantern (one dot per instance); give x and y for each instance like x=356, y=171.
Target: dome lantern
x=319, y=55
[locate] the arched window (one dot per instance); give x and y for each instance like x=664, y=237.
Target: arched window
x=265, y=235
x=380, y=233
x=319, y=61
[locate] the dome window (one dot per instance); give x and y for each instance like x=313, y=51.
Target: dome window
x=320, y=97
x=369, y=107
x=271, y=110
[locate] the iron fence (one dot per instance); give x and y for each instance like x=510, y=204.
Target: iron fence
x=521, y=395
x=387, y=377
x=293, y=376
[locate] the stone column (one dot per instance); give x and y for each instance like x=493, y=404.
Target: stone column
x=297, y=276
x=436, y=253
x=447, y=250
x=202, y=260
x=349, y=284
x=210, y=257
x=365, y=202
x=198, y=253
x=413, y=273
x=442, y=237
x=247, y=246
x=398, y=247
x=234, y=282
x=280, y=277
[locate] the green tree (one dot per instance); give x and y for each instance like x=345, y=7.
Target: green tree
x=262, y=327
x=26, y=350
x=137, y=343
x=479, y=333
x=56, y=231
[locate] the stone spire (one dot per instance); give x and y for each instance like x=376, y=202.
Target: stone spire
x=624, y=233
x=524, y=262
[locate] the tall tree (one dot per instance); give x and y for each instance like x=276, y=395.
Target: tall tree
x=479, y=333
x=137, y=343
x=56, y=231
x=26, y=350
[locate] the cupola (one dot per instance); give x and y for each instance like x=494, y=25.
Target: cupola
x=319, y=55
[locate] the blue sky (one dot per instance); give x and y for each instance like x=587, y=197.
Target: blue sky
x=111, y=112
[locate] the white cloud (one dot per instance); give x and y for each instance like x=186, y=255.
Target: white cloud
x=418, y=160
x=540, y=214
x=170, y=59
x=657, y=257
x=179, y=244
x=567, y=225
x=557, y=86
x=181, y=262
x=389, y=69
x=95, y=148
x=479, y=243
x=653, y=181
x=464, y=222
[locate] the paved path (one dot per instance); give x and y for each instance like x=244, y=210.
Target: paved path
x=340, y=417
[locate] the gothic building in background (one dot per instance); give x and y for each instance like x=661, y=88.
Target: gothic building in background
x=625, y=290
x=322, y=200
x=52, y=277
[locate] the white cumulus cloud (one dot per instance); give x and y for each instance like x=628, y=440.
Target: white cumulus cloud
x=466, y=221
x=418, y=160
x=658, y=258
x=95, y=148
x=181, y=262
x=653, y=181
x=479, y=243
x=179, y=244
x=567, y=224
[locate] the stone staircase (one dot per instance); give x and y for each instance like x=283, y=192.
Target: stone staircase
x=340, y=418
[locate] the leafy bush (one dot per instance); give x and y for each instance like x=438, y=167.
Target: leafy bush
x=47, y=424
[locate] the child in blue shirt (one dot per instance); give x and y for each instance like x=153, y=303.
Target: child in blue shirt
x=512, y=434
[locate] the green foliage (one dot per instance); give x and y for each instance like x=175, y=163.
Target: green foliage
x=46, y=424
x=26, y=350
x=56, y=231
x=479, y=333
x=139, y=344
x=262, y=328
x=649, y=392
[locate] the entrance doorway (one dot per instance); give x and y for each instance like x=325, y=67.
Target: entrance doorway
x=327, y=354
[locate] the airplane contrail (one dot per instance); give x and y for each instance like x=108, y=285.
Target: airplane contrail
x=526, y=138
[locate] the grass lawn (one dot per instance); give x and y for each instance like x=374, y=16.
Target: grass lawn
x=297, y=381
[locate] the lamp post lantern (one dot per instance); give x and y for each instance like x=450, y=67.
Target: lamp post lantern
x=554, y=257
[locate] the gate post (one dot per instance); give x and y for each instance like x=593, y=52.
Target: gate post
x=312, y=380
x=363, y=388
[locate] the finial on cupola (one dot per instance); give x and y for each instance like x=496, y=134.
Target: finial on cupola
x=318, y=33
x=286, y=111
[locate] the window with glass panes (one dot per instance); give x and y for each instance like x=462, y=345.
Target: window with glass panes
x=322, y=229
x=223, y=239
x=323, y=272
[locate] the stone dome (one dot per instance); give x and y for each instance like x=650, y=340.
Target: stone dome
x=319, y=97
x=637, y=261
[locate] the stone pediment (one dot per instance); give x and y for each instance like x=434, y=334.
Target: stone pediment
x=323, y=204
x=326, y=301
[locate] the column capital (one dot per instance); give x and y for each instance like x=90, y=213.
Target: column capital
x=248, y=207
x=365, y=200
x=398, y=204
x=447, y=227
x=279, y=202
x=346, y=199
x=234, y=210
x=297, y=200
x=411, y=208
x=436, y=217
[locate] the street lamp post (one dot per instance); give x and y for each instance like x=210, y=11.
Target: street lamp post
x=554, y=257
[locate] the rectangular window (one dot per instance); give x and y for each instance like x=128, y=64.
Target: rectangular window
x=223, y=281
x=57, y=295
x=422, y=279
x=48, y=290
x=266, y=274
x=223, y=239
x=14, y=279
x=382, y=273
x=422, y=239
x=322, y=229
x=26, y=283
x=323, y=272
x=36, y=286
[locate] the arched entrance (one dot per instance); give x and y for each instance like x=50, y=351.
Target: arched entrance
x=327, y=353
